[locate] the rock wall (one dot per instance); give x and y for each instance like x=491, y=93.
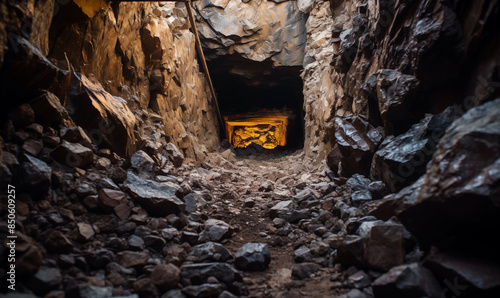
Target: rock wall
x=390, y=62
x=143, y=54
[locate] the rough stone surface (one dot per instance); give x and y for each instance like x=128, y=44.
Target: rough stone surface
x=469, y=147
x=253, y=257
x=355, y=144
x=401, y=160
x=73, y=155
x=157, y=198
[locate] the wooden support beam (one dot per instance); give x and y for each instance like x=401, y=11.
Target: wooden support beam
x=205, y=67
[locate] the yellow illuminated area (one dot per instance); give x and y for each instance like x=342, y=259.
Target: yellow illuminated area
x=266, y=128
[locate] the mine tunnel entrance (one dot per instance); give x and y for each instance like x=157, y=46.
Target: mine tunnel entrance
x=259, y=103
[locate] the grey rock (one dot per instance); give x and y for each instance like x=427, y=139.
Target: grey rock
x=174, y=154
x=401, y=160
x=199, y=273
x=282, y=209
x=441, y=203
x=157, y=198
x=215, y=230
x=209, y=252
x=356, y=142
x=45, y=280
x=253, y=257
x=204, y=290
x=302, y=254
x=360, y=280
x=135, y=243
x=304, y=270
x=88, y=291
x=176, y=293
x=36, y=176
x=142, y=162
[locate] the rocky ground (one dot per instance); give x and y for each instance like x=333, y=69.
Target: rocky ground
x=252, y=222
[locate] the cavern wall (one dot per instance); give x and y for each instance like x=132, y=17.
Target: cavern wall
x=390, y=62
x=143, y=54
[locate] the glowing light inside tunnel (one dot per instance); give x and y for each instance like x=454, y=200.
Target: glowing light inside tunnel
x=265, y=128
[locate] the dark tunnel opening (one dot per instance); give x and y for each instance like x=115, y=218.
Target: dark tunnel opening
x=256, y=90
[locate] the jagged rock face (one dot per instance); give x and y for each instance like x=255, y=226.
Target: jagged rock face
x=141, y=53
x=461, y=183
x=392, y=62
x=256, y=30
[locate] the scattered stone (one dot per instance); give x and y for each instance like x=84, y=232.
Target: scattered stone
x=249, y=202
x=204, y=290
x=253, y=257
x=85, y=232
x=73, y=155
x=157, y=198
x=135, y=243
x=33, y=147
x=132, y=259
x=174, y=154
x=200, y=273
x=123, y=211
x=45, y=280
x=109, y=199
x=76, y=135
x=142, y=163
x=304, y=270
x=209, y=252
x=145, y=288
x=383, y=245
x=350, y=251
x=283, y=209
x=36, y=176
x=215, y=230
x=166, y=276
x=360, y=280
x=55, y=241
x=302, y=254
x=155, y=242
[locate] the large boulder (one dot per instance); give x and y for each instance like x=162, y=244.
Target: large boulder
x=355, y=142
x=456, y=206
x=459, y=196
x=106, y=118
x=401, y=160
x=394, y=91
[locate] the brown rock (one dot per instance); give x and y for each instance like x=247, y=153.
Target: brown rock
x=123, y=211
x=166, y=276
x=132, y=259
x=109, y=199
x=49, y=110
x=73, y=155
x=85, y=232
x=55, y=241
